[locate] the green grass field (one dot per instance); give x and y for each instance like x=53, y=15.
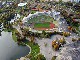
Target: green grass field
x=35, y=50
x=41, y=25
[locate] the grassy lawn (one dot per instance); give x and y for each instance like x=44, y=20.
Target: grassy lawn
x=35, y=50
x=14, y=35
x=32, y=12
x=76, y=27
x=7, y=30
x=41, y=25
x=18, y=11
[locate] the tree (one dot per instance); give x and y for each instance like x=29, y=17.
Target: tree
x=56, y=47
x=78, y=39
x=42, y=0
x=53, y=58
x=69, y=3
x=77, y=7
x=60, y=1
x=40, y=57
x=64, y=13
x=62, y=41
x=24, y=33
x=53, y=43
x=47, y=35
x=44, y=33
x=0, y=32
x=73, y=39
x=66, y=34
x=69, y=28
x=32, y=38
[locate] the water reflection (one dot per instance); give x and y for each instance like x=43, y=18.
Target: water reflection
x=9, y=49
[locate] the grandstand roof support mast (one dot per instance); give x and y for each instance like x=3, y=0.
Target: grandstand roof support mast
x=58, y=4
x=51, y=8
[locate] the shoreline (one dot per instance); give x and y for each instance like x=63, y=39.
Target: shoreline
x=29, y=48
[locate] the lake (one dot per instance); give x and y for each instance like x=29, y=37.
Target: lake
x=9, y=49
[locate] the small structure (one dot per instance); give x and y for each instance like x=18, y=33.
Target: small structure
x=22, y=4
x=55, y=14
x=0, y=4
x=17, y=16
x=76, y=20
x=8, y=3
x=35, y=9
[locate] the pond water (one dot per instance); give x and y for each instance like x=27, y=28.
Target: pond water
x=9, y=49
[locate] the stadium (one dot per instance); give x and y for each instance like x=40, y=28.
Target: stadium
x=41, y=22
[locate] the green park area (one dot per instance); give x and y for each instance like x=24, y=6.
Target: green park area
x=14, y=35
x=32, y=12
x=35, y=50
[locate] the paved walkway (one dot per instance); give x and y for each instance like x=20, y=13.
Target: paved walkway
x=48, y=51
x=18, y=29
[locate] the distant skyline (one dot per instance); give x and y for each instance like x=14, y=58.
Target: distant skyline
x=62, y=0
x=69, y=0
x=43, y=0
x=14, y=0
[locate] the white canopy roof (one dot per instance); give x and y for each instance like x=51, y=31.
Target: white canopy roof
x=22, y=4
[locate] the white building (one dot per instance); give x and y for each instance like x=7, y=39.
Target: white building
x=63, y=0
x=22, y=4
x=69, y=0
x=75, y=0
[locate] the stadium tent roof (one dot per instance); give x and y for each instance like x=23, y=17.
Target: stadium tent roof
x=22, y=4
x=56, y=13
x=25, y=19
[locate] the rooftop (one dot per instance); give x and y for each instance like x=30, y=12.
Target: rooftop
x=22, y=4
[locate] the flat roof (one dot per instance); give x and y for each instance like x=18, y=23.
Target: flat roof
x=22, y=4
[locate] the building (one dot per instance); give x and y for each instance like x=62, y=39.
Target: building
x=45, y=0
x=69, y=0
x=22, y=4
x=62, y=0
x=75, y=1
x=1, y=5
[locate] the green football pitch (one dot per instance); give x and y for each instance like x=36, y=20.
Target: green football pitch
x=42, y=25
